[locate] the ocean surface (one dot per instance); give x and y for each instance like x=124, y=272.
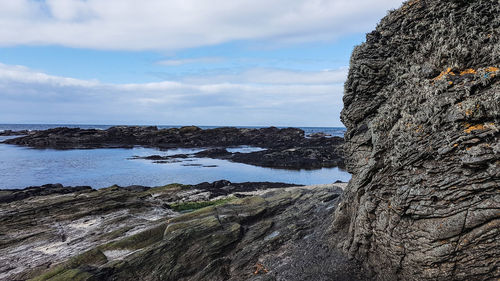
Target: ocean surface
x=22, y=166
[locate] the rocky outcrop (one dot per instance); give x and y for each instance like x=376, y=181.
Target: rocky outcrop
x=133, y=234
x=14, y=133
x=314, y=154
x=286, y=148
x=422, y=111
x=10, y=195
x=309, y=154
x=191, y=136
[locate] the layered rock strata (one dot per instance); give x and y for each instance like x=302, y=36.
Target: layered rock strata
x=422, y=111
x=135, y=233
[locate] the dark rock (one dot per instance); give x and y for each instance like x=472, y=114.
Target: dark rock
x=14, y=133
x=126, y=136
x=10, y=195
x=293, y=158
x=221, y=183
x=213, y=153
x=308, y=154
x=319, y=135
x=152, y=157
x=136, y=188
x=423, y=145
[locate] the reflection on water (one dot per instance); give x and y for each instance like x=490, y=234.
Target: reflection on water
x=21, y=167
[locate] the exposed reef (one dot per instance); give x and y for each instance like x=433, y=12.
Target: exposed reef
x=422, y=111
x=312, y=154
x=13, y=133
x=191, y=136
x=285, y=148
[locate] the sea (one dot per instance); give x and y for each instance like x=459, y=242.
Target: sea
x=21, y=167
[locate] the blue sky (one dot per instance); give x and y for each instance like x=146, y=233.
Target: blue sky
x=239, y=62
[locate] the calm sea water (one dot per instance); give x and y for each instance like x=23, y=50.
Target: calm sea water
x=22, y=166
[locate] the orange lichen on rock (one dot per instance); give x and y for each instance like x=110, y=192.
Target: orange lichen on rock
x=469, y=128
x=492, y=69
x=444, y=73
x=259, y=268
x=468, y=71
x=413, y=2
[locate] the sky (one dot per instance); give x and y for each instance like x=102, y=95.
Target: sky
x=179, y=62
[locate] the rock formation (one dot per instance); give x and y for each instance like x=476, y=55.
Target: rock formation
x=140, y=233
x=308, y=154
x=190, y=136
x=422, y=111
x=286, y=148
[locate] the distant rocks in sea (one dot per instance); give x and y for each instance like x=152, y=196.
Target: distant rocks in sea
x=14, y=133
x=190, y=136
x=286, y=148
x=313, y=154
x=319, y=135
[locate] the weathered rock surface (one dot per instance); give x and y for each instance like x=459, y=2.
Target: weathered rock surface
x=422, y=110
x=43, y=225
x=130, y=234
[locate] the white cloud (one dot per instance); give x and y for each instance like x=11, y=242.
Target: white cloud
x=175, y=24
x=177, y=62
x=275, y=76
x=246, y=99
x=23, y=74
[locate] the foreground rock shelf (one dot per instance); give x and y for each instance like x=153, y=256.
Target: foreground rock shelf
x=135, y=233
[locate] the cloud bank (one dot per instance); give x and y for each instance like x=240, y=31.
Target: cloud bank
x=254, y=97
x=176, y=24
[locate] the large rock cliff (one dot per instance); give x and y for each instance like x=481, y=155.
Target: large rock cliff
x=422, y=109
